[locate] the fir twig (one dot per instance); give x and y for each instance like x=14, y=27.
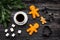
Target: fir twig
x=5, y=7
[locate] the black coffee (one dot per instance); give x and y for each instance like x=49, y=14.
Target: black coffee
x=20, y=18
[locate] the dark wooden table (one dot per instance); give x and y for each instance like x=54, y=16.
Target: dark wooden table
x=54, y=25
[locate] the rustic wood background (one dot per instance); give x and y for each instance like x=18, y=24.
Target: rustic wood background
x=53, y=7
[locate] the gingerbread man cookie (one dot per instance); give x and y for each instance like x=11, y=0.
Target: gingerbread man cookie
x=34, y=11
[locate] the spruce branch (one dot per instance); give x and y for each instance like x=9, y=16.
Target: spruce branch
x=5, y=10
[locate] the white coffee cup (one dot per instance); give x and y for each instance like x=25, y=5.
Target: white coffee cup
x=21, y=15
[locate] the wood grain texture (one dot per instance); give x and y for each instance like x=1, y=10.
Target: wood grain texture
x=55, y=26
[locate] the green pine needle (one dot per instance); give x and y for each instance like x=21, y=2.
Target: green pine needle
x=5, y=7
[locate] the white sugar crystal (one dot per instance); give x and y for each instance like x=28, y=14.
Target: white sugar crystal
x=7, y=34
x=6, y=30
x=13, y=25
x=11, y=29
x=13, y=35
x=19, y=31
